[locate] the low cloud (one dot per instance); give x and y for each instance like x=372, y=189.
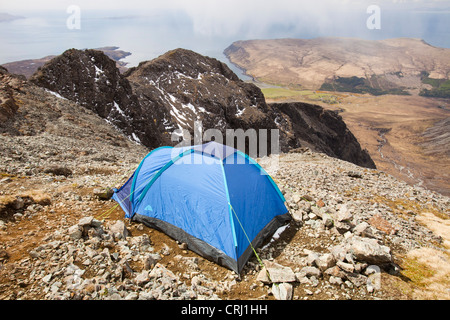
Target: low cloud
x=248, y=18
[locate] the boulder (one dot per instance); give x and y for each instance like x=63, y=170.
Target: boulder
x=119, y=230
x=360, y=228
x=339, y=252
x=347, y=267
x=311, y=258
x=85, y=222
x=276, y=272
x=282, y=291
x=342, y=226
x=19, y=203
x=75, y=232
x=150, y=260
x=327, y=221
x=335, y=272
x=308, y=272
x=335, y=280
x=102, y=194
x=325, y=261
x=297, y=215
x=142, y=278
x=368, y=250
x=356, y=279
x=344, y=214
x=59, y=171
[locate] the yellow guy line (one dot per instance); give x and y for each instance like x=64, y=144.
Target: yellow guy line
x=248, y=239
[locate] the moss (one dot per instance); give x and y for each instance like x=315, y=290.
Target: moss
x=283, y=93
x=404, y=208
x=441, y=88
x=359, y=85
x=416, y=272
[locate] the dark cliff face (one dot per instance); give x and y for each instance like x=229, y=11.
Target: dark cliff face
x=87, y=77
x=92, y=79
x=149, y=102
x=307, y=125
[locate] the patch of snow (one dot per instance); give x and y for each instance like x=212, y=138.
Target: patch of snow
x=190, y=106
x=179, y=74
x=277, y=122
x=117, y=108
x=178, y=116
x=178, y=133
x=136, y=138
x=201, y=109
x=276, y=235
x=172, y=98
x=239, y=112
x=98, y=73
x=55, y=94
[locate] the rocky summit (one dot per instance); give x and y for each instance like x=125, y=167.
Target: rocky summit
x=149, y=102
x=190, y=87
x=343, y=243
x=91, y=79
x=355, y=233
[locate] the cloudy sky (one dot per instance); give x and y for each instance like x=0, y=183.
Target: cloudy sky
x=232, y=16
x=198, y=4
x=225, y=20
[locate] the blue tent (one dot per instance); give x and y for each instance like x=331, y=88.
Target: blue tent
x=211, y=196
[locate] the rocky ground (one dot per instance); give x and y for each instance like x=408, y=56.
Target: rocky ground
x=351, y=232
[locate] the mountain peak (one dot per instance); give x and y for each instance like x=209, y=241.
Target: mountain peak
x=183, y=61
x=79, y=75
x=177, y=89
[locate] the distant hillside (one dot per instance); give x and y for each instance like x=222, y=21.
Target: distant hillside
x=391, y=66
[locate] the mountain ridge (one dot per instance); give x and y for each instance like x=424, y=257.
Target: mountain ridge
x=173, y=91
